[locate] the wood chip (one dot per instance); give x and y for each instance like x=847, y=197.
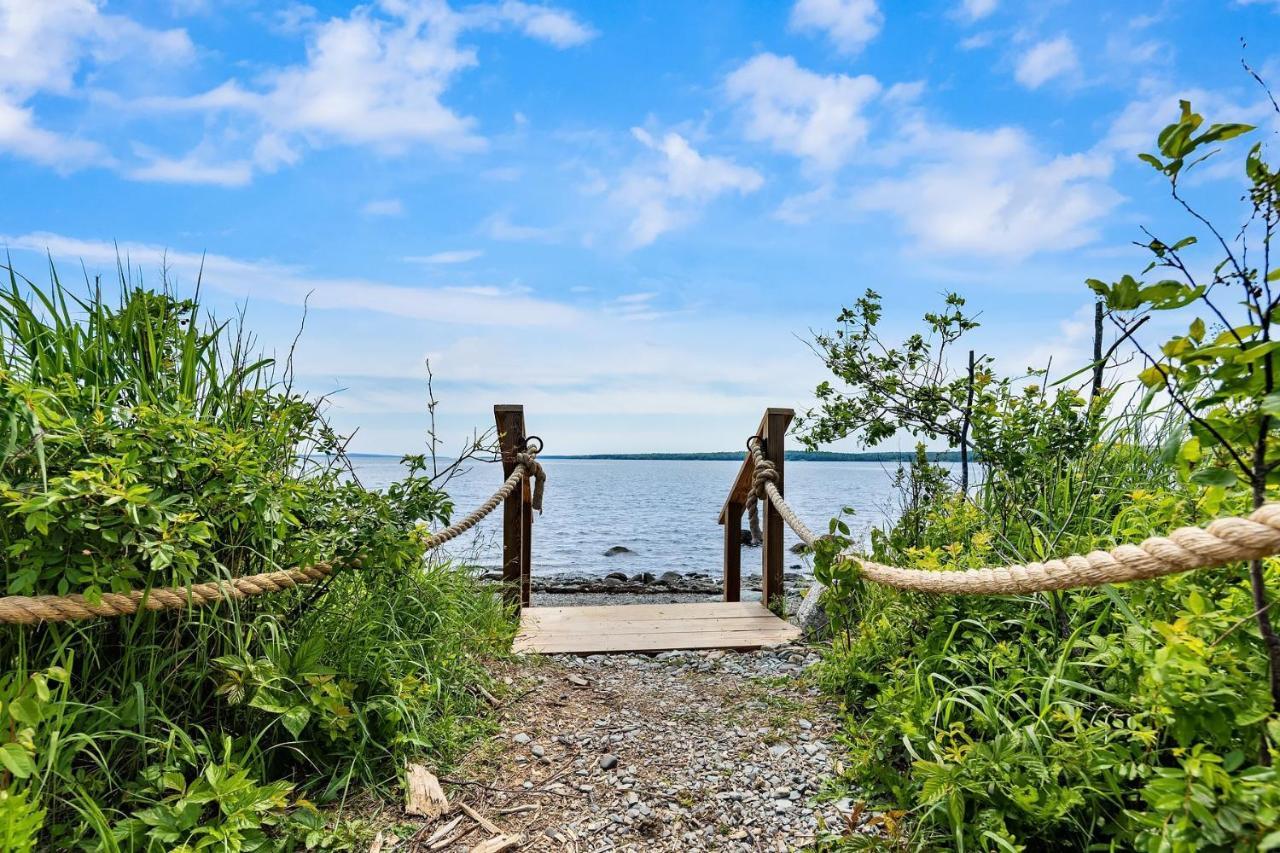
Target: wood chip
x=376, y=846
x=578, y=680
x=423, y=794
x=443, y=831
x=498, y=843
x=489, y=825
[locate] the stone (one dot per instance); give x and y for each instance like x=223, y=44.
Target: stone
x=671, y=578
x=643, y=577
x=618, y=549
x=608, y=761
x=799, y=548
x=619, y=576
x=522, y=738
x=811, y=616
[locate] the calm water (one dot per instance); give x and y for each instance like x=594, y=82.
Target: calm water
x=663, y=511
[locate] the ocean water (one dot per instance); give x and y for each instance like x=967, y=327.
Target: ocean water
x=666, y=512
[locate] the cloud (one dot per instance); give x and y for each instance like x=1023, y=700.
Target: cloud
x=556, y=27
x=376, y=77
x=238, y=278
x=669, y=191
x=457, y=256
x=1046, y=60
x=818, y=118
x=193, y=169
x=992, y=193
x=976, y=10
x=849, y=24
x=383, y=207
x=42, y=47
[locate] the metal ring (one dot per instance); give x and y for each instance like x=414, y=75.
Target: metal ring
x=751, y=439
x=529, y=438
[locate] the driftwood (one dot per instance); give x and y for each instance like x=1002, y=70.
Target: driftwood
x=423, y=794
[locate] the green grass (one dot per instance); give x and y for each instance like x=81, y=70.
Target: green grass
x=146, y=445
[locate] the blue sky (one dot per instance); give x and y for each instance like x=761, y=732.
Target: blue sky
x=626, y=216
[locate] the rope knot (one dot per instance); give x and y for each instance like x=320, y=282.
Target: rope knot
x=528, y=459
x=764, y=472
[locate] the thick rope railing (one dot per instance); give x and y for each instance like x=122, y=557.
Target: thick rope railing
x=1220, y=543
x=32, y=609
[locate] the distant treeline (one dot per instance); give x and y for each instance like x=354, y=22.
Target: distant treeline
x=792, y=456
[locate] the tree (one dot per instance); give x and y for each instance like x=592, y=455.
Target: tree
x=1221, y=374
x=907, y=387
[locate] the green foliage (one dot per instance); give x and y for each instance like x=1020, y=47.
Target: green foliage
x=142, y=445
x=1135, y=717
x=890, y=388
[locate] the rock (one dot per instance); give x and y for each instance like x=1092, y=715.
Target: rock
x=612, y=582
x=671, y=578
x=618, y=549
x=619, y=576
x=799, y=548
x=643, y=577
x=522, y=738
x=811, y=617
x=608, y=761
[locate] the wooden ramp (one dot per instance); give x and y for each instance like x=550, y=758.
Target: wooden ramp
x=650, y=628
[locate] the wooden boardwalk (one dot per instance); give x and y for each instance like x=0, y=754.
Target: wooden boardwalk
x=650, y=628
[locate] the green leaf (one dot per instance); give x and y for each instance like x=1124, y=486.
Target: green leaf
x=295, y=719
x=16, y=760
x=1270, y=404
x=1214, y=477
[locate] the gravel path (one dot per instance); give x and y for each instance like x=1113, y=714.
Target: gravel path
x=684, y=751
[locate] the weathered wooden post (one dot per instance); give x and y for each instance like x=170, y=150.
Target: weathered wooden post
x=731, y=518
x=773, y=430
x=517, y=510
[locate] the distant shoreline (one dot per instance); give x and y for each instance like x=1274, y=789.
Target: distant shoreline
x=733, y=456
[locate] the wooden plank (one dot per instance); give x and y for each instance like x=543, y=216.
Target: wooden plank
x=742, y=483
x=655, y=642
x=510, y=423
x=732, y=521
x=650, y=628
x=772, y=551
x=693, y=610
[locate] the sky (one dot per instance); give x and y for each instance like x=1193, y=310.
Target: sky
x=629, y=217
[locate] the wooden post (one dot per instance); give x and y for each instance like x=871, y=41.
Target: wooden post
x=772, y=555
x=732, y=521
x=526, y=543
x=510, y=423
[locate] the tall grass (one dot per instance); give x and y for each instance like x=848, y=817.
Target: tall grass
x=1111, y=718
x=145, y=444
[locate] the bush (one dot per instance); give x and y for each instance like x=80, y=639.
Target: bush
x=143, y=446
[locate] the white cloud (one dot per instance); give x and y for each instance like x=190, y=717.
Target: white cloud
x=193, y=169
x=456, y=256
x=474, y=306
x=1046, y=60
x=383, y=207
x=849, y=24
x=667, y=193
x=553, y=26
x=43, y=45
x=376, y=77
x=816, y=117
x=993, y=193
x=976, y=10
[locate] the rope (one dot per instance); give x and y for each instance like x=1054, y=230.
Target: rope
x=1222, y=542
x=28, y=610
x=764, y=482
x=526, y=466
